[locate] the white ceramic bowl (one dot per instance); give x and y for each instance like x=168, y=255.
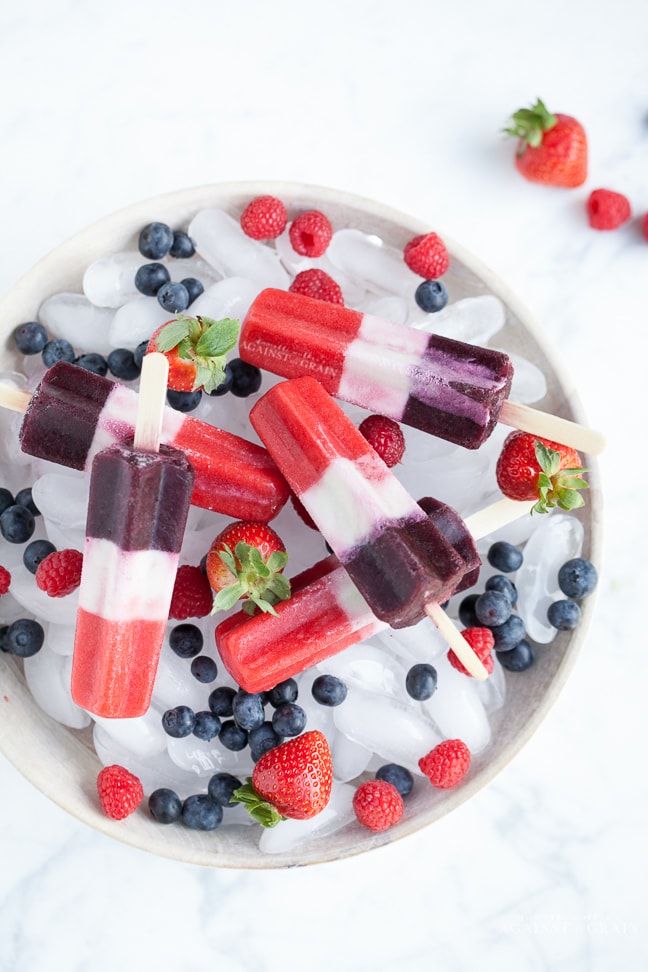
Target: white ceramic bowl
x=61, y=762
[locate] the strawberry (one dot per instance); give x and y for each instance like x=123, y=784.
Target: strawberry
x=120, y=792
x=531, y=468
x=291, y=780
x=195, y=348
x=246, y=560
x=552, y=149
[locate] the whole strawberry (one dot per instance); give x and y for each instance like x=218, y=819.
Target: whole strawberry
x=552, y=148
x=446, y=764
x=120, y=792
x=246, y=560
x=377, y=805
x=195, y=348
x=291, y=780
x=530, y=468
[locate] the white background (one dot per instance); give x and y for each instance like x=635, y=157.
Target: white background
x=103, y=104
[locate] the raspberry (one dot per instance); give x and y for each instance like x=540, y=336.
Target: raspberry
x=481, y=640
x=59, y=573
x=264, y=218
x=644, y=227
x=310, y=233
x=120, y=793
x=5, y=580
x=385, y=436
x=427, y=256
x=192, y=595
x=607, y=210
x=302, y=512
x=446, y=764
x=318, y=284
x=377, y=804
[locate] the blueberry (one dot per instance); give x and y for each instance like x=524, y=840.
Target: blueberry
x=186, y=640
x=30, y=337
x=564, y=615
x=577, y=578
x=204, y=669
x=467, y=614
x=182, y=246
x=58, y=349
x=173, y=297
x=220, y=700
x=225, y=385
x=221, y=788
x=122, y=364
x=421, y=681
x=17, y=524
x=35, y=552
x=329, y=690
x=184, y=401
x=23, y=638
x=398, y=776
x=509, y=634
x=246, y=378
x=232, y=737
x=286, y=691
x=24, y=498
x=247, y=710
x=519, y=659
x=95, y=363
x=193, y=287
x=262, y=739
x=150, y=277
x=207, y=726
x=492, y=607
x=6, y=499
x=179, y=722
x=155, y=240
x=139, y=352
x=165, y=805
x=504, y=556
x=498, y=582
x=289, y=719
x=431, y=296
x=200, y=812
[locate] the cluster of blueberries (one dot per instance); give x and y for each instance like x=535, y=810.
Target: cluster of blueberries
x=156, y=240
x=494, y=608
x=23, y=637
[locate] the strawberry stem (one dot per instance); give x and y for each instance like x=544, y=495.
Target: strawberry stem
x=530, y=124
x=258, y=808
x=556, y=486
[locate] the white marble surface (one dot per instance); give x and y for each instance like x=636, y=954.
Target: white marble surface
x=104, y=104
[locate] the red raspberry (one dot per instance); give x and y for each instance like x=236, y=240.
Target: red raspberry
x=644, y=227
x=446, y=764
x=310, y=233
x=385, y=436
x=120, y=793
x=59, y=573
x=318, y=284
x=377, y=804
x=481, y=641
x=5, y=580
x=302, y=512
x=264, y=218
x=192, y=595
x=607, y=210
x=427, y=256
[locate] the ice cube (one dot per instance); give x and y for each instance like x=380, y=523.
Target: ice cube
x=457, y=709
x=387, y=308
x=58, y=610
x=142, y=736
x=203, y=759
x=62, y=499
x=135, y=322
x=472, y=319
x=175, y=685
x=153, y=771
x=529, y=383
x=220, y=240
x=350, y=758
x=367, y=666
x=73, y=317
x=48, y=676
x=492, y=691
x=379, y=266
x=291, y=833
x=60, y=638
x=227, y=298
x=110, y=280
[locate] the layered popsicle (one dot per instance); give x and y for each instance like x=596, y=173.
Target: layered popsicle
x=451, y=389
x=73, y=414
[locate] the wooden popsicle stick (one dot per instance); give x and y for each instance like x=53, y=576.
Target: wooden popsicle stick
x=456, y=641
x=552, y=427
x=152, y=399
x=499, y=514
x=16, y=399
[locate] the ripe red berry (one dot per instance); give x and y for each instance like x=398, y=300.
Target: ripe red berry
x=481, y=641
x=317, y=283
x=5, y=580
x=385, y=436
x=644, y=227
x=310, y=233
x=446, y=764
x=377, y=804
x=427, y=256
x=607, y=210
x=265, y=218
x=192, y=595
x=120, y=792
x=59, y=573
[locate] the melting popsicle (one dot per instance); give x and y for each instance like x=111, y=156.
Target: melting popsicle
x=137, y=511
x=73, y=414
x=451, y=389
